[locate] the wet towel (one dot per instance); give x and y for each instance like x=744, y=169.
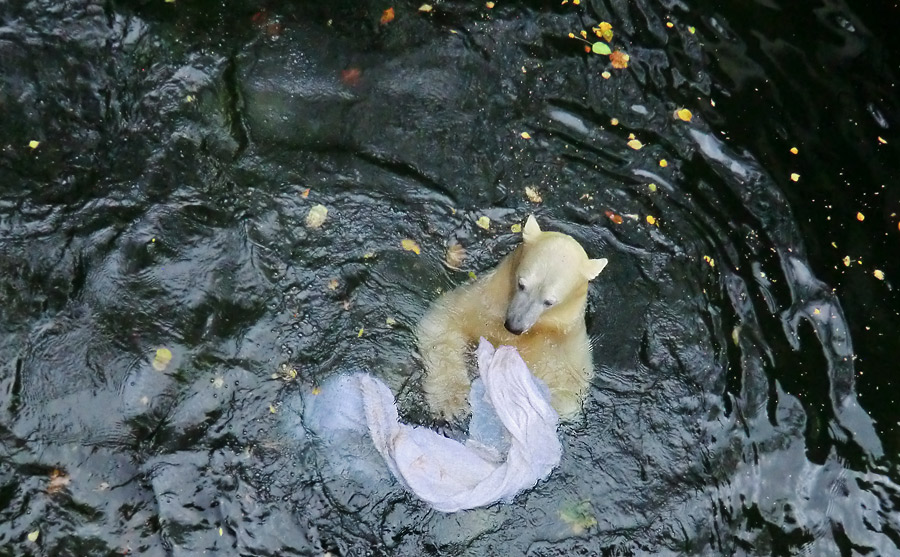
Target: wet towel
x=512, y=445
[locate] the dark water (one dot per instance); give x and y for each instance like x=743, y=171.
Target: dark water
x=743, y=405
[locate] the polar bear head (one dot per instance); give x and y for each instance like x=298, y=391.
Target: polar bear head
x=550, y=277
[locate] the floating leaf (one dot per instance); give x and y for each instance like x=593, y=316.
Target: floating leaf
x=606, y=75
x=484, y=222
x=525, y=135
x=794, y=150
x=882, y=140
x=684, y=114
x=221, y=531
x=605, y=31
x=709, y=260
x=489, y=5
x=472, y=275
x=860, y=217
x=456, y=254
x=735, y=334
x=161, y=359
x=652, y=187
x=669, y=24
x=614, y=217
x=516, y=228
x=411, y=245
x=635, y=144
x=387, y=16
x=34, y=144
x=651, y=219
x=33, y=536
x=614, y=121
x=602, y=48
x=794, y=176
x=879, y=274
x=426, y=8
x=316, y=216
x=846, y=260
x=692, y=29
x=663, y=163
x=533, y=195
x=619, y=60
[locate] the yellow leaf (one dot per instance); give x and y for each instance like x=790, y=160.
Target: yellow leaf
x=33, y=536
x=651, y=219
x=684, y=114
x=794, y=150
x=272, y=409
x=490, y=5
x=484, y=222
x=846, y=260
x=220, y=530
x=879, y=274
x=860, y=217
x=669, y=24
x=635, y=144
x=533, y=195
x=652, y=187
x=795, y=177
x=472, y=275
x=425, y=8
x=710, y=260
x=614, y=121
x=606, y=75
x=526, y=135
x=360, y=333
x=390, y=321
x=316, y=216
x=882, y=140
x=34, y=144
x=333, y=284
x=516, y=228
x=663, y=163
x=316, y=391
x=736, y=334
x=817, y=311
x=692, y=29
x=162, y=358
x=411, y=245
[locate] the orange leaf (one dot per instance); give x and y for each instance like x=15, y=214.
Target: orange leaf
x=387, y=16
x=619, y=60
x=614, y=217
x=351, y=76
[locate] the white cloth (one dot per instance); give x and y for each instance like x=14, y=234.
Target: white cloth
x=513, y=442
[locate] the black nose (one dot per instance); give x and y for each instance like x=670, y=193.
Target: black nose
x=510, y=328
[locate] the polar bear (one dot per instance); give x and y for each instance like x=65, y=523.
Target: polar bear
x=534, y=300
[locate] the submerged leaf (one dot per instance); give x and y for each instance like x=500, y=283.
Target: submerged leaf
x=619, y=60
x=484, y=222
x=316, y=216
x=161, y=359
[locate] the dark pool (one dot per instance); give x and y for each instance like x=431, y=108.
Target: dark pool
x=165, y=303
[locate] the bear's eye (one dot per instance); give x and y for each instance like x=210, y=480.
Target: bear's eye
x=548, y=303
x=521, y=284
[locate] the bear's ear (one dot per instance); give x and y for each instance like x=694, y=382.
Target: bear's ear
x=531, y=230
x=592, y=267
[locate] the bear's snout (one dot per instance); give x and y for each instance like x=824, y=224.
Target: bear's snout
x=511, y=328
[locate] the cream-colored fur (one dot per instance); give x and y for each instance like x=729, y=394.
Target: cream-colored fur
x=539, y=290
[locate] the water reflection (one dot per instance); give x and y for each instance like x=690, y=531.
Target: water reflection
x=180, y=151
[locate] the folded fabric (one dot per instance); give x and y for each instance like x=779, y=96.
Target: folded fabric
x=512, y=445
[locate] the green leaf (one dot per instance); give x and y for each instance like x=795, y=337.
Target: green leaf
x=600, y=47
